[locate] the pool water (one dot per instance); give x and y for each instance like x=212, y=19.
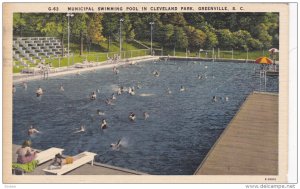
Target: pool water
x=180, y=130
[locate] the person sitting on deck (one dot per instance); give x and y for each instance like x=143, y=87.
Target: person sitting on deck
x=39, y=92
x=59, y=161
x=103, y=124
x=32, y=131
x=26, y=154
x=132, y=116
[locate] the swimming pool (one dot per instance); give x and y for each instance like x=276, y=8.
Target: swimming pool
x=180, y=130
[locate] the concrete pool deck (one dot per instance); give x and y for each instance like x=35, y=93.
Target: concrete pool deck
x=17, y=78
x=87, y=169
x=249, y=144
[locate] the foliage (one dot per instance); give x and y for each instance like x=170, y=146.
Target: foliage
x=170, y=30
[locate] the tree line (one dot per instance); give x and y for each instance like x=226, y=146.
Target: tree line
x=240, y=31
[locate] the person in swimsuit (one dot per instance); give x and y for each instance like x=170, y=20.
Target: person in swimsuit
x=26, y=154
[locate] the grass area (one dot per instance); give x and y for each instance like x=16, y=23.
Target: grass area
x=98, y=53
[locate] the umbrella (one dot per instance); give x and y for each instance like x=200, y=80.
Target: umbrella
x=263, y=60
x=273, y=50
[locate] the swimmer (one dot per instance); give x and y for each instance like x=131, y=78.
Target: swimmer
x=205, y=67
x=113, y=97
x=39, y=92
x=108, y=101
x=214, y=99
x=146, y=115
x=119, y=92
x=32, y=131
x=131, y=116
x=226, y=99
x=131, y=91
x=24, y=85
x=14, y=89
x=116, y=145
x=100, y=113
x=169, y=91
x=200, y=76
x=156, y=73
x=182, y=88
x=98, y=90
x=93, y=96
x=61, y=87
x=103, y=124
x=82, y=129
x=78, y=73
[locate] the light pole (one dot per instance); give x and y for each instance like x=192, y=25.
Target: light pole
x=121, y=20
x=69, y=15
x=151, y=23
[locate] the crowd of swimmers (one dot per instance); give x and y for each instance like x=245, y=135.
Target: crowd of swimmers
x=25, y=149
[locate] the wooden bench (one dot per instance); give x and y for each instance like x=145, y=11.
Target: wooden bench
x=83, y=158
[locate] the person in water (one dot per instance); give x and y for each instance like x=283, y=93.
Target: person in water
x=146, y=115
x=39, y=92
x=99, y=112
x=93, y=96
x=82, y=129
x=26, y=154
x=116, y=145
x=24, y=85
x=182, y=88
x=132, y=116
x=103, y=124
x=61, y=87
x=113, y=97
x=214, y=99
x=32, y=131
x=14, y=89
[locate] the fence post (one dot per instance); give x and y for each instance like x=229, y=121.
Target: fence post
x=130, y=54
x=174, y=53
x=247, y=56
x=185, y=52
x=218, y=52
x=232, y=54
x=213, y=52
x=162, y=51
x=58, y=61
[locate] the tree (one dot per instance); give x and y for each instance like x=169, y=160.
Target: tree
x=79, y=27
x=95, y=28
x=179, y=38
x=225, y=38
x=196, y=37
x=110, y=23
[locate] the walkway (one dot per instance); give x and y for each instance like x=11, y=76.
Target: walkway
x=249, y=144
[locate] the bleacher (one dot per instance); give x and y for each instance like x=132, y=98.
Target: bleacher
x=33, y=50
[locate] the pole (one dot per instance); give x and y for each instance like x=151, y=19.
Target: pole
x=247, y=56
x=232, y=54
x=174, y=53
x=68, y=39
x=151, y=24
x=218, y=52
x=121, y=20
x=213, y=52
